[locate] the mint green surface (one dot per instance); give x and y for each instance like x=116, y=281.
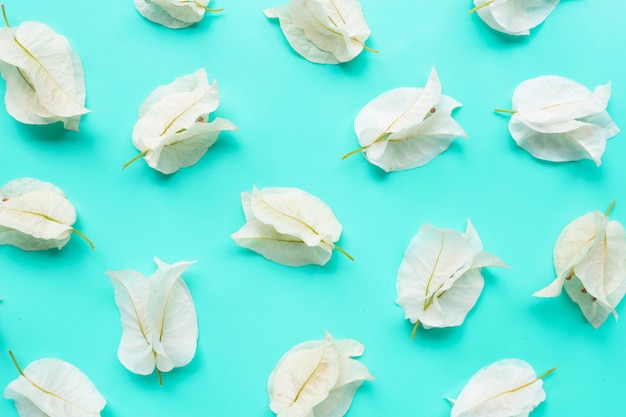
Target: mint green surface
x=295, y=122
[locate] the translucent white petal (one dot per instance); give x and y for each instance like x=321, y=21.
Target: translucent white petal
x=508, y=387
x=174, y=14
x=514, y=17
x=34, y=215
x=47, y=82
x=53, y=387
x=323, y=31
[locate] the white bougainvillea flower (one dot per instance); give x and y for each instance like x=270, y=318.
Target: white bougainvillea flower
x=174, y=14
x=173, y=131
x=590, y=262
x=288, y=226
x=440, y=280
x=317, y=378
x=507, y=388
x=323, y=31
x=44, y=76
x=514, y=17
x=35, y=215
x=557, y=119
x=52, y=387
x=407, y=127
x=159, y=324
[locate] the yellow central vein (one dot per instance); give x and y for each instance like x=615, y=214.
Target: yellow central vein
x=317, y=366
x=432, y=274
x=178, y=116
x=338, y=12
x=34, y=58
x=34, y=214
x=132, y=303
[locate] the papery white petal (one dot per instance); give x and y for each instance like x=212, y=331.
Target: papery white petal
x=282, y=248
x=159, y=324
x=507, y=388
x=172, y=313
x=184, y=149
x=44, y=75
x=514, y=17
x=557, y=119
x=132, y=291
x=35, y=215
x=590, y=262
x=439, y=279
x=304, y=379
x=317, y=378
x=323, y=31
x=174, y=14
x=172, y=130
x=406, y=128
x=288, y=226
x=52, y=387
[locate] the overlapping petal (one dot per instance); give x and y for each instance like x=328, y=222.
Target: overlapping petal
x=323, y=31
x=288, y=226
x=44, y=76
x=406, y=128
x=173, y=131
x=439, y=280
x=159, y=323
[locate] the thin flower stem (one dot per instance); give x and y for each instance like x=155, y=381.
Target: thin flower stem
x=362, y=148
x=417, y=324
x=144, y=153
x=608, y=211
x=160, y=377
x=480, y=7
x=546, y=373
x=367, y=48
x=505, y=111
x=84, y=237
x=208, y=9
x=344, y=252
x=4, y=14
x=11, y=353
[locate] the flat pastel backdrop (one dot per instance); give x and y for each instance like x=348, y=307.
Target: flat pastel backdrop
x=295, y=122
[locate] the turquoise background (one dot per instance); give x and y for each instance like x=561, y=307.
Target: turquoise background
x=295, y=122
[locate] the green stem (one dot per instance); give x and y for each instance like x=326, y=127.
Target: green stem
x=4, y=14
x=362, y=148
x=144, y=153
x=344, y=252
x=505, y=111
x=84, y=237
x=367, y=48
x=160, y=377
x=546, y=373
x=417, y=324
x=610, y=208
x=480, y=7
x=11, y=353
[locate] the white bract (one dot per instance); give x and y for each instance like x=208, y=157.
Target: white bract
x=159, y=324
x=35, y=215
x=173, y=131
x=514, y=17
x=407, y=127
x=174, y=14
x=439, y=280
x=44, y=76
x=52, y=387
x=507, y=388
x=557, y=119
x=323, y=31
x=317, y=378
x=590, y=262
x=288, y=226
